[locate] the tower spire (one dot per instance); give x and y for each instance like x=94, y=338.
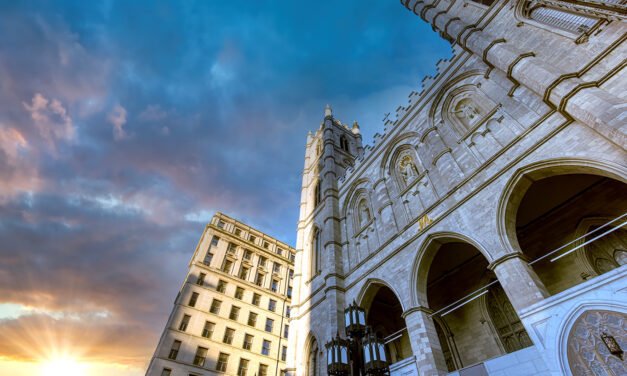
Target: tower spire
x=328, y=112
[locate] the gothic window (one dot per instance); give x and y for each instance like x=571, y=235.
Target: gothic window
x=510, y=330
x=588, y=353
x=317, y=195
x=343, y=143
x=312, y=359
x=315, y=252
x=466, y=108
x=607, y=253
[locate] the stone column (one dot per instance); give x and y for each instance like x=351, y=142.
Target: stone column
x=520, y=282
x=591, y=106
x=424, y=342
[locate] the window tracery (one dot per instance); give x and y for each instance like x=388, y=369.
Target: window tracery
x=510, y=329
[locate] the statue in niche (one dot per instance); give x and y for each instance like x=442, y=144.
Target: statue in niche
x=364, y=213
x=466, y=111
x=408, y=170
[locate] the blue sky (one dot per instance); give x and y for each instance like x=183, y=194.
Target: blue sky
x=124, y=125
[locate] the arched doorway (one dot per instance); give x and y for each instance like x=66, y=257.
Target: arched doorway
x=384, y=316
x=482, y=328
x=312, y=361
x=555, y=210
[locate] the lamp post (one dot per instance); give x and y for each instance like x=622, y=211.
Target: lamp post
x=361, y=355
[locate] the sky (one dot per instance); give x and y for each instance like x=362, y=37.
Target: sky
x=124, y=125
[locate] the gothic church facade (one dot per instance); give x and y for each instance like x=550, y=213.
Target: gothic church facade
x=482, y=232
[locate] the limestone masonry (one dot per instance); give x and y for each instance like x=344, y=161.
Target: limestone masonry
x=483, y=231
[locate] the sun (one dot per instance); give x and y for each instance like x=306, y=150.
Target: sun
x=63, y=367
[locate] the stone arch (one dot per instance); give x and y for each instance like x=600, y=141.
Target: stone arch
x=463, y=107
x=426, y=253
x=522, y=179
x=369, y=290
x=403, y=139
x=360, y=184
x=313, y=350
x=359, y=202
x=438, y=99
x=567, y=325
x=315, y=251
x=584, y=262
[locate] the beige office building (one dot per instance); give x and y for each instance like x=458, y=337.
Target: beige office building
x=230, y=316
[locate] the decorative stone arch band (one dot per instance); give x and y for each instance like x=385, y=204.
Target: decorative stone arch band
x=524, y=177
x=425, y=255
x=369, y=290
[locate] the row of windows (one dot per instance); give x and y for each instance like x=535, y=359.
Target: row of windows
x=239, y=294
x=253, y=239
x=233, y=314
x=223, y=359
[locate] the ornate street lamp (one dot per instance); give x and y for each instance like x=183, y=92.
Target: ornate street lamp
x=362, y=354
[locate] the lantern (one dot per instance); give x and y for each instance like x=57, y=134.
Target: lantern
x=375, y=359
x=612, y=345
x=355, y=320
x=338, y=361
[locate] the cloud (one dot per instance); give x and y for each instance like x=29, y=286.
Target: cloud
x=17, y=172
x=51, y=119
x=117, y=118
x=152, y=113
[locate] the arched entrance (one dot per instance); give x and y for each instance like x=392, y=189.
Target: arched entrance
x=384, y=316
x=484, y=327
x=552, y=207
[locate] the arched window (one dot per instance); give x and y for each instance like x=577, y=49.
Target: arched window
x=510, y=330
x=343, y=143
x=312, y=359
x=571, y=22
x=317, y=195
x=315, y=252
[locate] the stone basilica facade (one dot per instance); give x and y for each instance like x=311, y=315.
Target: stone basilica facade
x=482, y=232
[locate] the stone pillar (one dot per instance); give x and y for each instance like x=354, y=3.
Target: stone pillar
x=520, y=282
x=424, y=342
x=593, y=106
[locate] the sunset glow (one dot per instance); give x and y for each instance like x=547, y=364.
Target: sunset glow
x=64, y=367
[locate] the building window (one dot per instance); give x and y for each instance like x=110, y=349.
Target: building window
x=511, y=332
x=289, y=292
x=242, y=368
x=266, y=245
x=279, y=251
x=220, y=224
x=259, y=279
x=247, y=254
x=570, y=22
x=265, y=347
x=252, y=319
x=252, y=238
x=184, y=323
x=228, y=265
x=317, y=195
x=208, y=329
x=287, y=311
x=286, y=331
x=292, y=258
x=263, y=370
x=193, y=299
x=221, y=287
x=201, y=279
x=283, y=353
x=239, y=293
x=315, y=253
x=223, y=360
x=274, y=285
x=234, y=313
x=201, y=355
x=256, y=299
x=228, y=336
x=291, y=274
x=166, y=372
x=248, y=342
x=343, y=143
x=269, y=325
x=232, y=248
x=208, y=259
x=276, y=268
x=214, y=241
x=262, y=261
x=238, y=232
x=243, y=273
x=272, y=305
x=215, y=306
x=174, y=351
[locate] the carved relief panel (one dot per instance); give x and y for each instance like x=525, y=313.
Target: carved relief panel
x=590, y=342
